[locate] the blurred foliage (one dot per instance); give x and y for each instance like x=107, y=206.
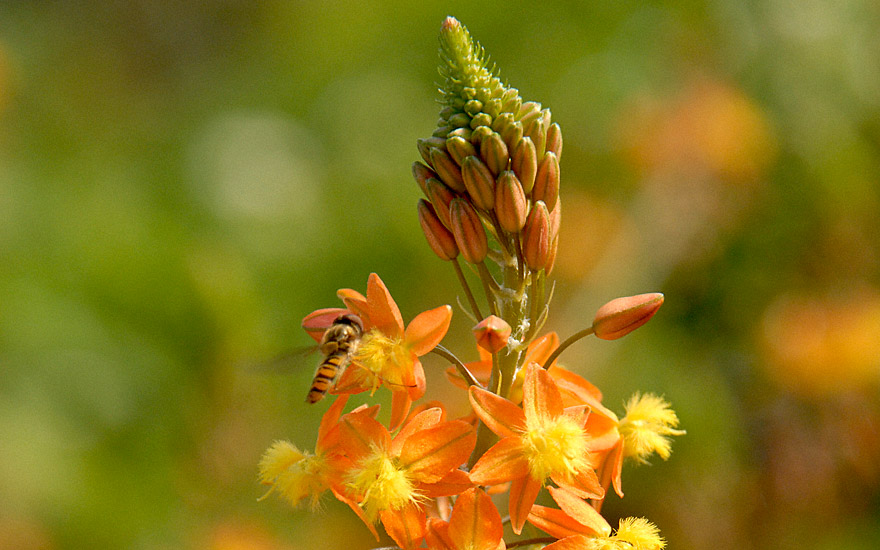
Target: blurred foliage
x=181, y=181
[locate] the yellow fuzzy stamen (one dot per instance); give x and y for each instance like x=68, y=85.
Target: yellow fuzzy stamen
x=555, y=446
x=383, y=484
x=384, y=358
x=640, y=533
x=645, y=429
x=295, y=474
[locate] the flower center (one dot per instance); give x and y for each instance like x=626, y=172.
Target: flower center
x=383, y=484
x=555, y=447
x=383, y=357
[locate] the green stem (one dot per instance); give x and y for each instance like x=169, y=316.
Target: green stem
x=488, y=284
x=467, y=289
x=462, y=369
x=571, y=340
x=527, y=542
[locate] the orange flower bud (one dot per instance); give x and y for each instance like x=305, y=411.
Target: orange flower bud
x=512, y=101
x=459, y=148
x=525, y=163
x=426, y=144
x=421, y=173
x=536, y=237
x=468, y=230
x=440, y=239
x=511, y=205
x=447, y=169
x=621, y=316
x=492, y=333
x=440, y=196
x=555, y=220
x=535, y=129
x=527, y=109
x=554, y=140
x=493, y=151
x=547, y=181
x=480, y=182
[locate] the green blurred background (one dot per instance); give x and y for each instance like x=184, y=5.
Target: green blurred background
x=180, y=182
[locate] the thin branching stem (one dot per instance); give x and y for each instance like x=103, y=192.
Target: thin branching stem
x=571, y=340
x=528, y=542
x=467, y=289
x=462, y=369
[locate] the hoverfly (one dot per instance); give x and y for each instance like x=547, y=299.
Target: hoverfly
x=339, y=344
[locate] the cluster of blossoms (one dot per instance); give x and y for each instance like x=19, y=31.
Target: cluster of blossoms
x=491, y=179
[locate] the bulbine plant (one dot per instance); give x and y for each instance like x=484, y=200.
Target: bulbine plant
x=490, y=175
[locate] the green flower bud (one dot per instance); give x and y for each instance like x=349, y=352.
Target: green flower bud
x=473, y=107
x=511, y=205
x=480, y=134
x=468, y=231
x=536, y=237
x=502, y=122
x=461, y=132
x=459, y=148
x=547, y=181
x=482, y=119
x=511, y=135
x=440, y=239
x=527, y=109
x=493, y=151
x=447, y=169
x=525, y=163
x=480, y=182
x=459, y=120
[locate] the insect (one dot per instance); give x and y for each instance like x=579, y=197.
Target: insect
x=339, y=344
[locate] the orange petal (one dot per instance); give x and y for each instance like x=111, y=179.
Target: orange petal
x=383, y=311
x=554, y=522
x=574, y=542
x=453, y=483
x=503, y=461
x=354, y=379
x=585, y=484
x=356, y=303
x=475, y=523
x=428, y=418
x=438, y=535
x=400, y=405
x=523, y=492
x=541, y=349
x=329, y=421
x=430, y=454
x=417, y=385
x=541, y=397
x=593, y=523
x=577, y=391
x=406, y=526
x=318, y=321
x=359, y=433
x=500, y=415
x=578, y=413
x=427, y=329
x=357, y=510
x=610, y=469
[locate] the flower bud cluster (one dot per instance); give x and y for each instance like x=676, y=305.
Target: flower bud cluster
x=491, y=167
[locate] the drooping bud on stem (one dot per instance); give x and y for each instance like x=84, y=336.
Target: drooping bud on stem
x=447, y=169
x=621, y=316
x=440, y=197
x=421, y=173
x=440, y=239
x=536, y=237
x=468, y=231
x=492, y=333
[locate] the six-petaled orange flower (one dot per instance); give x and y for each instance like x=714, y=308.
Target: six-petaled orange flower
x=540, y=441
x=391, y=478
x=388, y=353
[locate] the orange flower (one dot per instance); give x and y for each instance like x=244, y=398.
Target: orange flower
x=391, y=479
x=475, y=525
x=538, y=442
x=576, y=517
x=388, y=353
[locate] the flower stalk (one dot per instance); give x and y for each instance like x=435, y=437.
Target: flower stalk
x=491, y=184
